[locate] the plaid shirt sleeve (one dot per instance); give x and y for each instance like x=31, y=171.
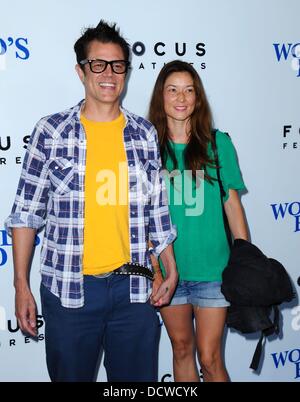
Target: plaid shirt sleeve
x=161, y=230
x=30, y=204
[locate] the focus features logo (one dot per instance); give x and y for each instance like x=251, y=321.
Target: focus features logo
x=290, y=137
x=5, y=145
x=12, y=327
x=150, y=56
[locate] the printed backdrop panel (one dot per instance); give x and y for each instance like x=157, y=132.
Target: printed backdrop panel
x=248, y=56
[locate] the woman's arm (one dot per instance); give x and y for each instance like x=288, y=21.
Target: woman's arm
x=236, y=216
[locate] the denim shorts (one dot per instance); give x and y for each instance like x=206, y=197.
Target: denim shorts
x=202, y=294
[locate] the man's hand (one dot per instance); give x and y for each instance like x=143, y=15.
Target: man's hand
x=158, y=278
x=164, y=291
x=25, y=307
x=26, y=310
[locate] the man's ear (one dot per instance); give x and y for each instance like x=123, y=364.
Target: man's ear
x=80, y=73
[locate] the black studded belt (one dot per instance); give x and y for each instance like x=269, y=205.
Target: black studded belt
x=132, y=268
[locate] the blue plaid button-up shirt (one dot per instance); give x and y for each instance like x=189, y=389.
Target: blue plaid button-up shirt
x=51, y=194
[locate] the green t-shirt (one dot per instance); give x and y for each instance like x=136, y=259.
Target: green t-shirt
x=201, y=247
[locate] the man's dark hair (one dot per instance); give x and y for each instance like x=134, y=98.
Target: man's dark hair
x=103, y=32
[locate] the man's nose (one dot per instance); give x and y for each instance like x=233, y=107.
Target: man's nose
x=108, y=71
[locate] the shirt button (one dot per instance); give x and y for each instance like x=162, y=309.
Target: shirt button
x=133, y=236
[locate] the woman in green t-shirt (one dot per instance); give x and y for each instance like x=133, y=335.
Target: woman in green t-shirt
x=180, y=111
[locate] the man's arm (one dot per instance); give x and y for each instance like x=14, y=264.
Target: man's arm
x=26, y=218
x=161, y=232
x=25, y=307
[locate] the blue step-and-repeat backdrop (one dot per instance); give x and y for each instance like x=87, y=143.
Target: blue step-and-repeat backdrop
x=248, y=56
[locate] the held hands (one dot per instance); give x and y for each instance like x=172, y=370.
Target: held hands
x=26, y=310
x=162, y=290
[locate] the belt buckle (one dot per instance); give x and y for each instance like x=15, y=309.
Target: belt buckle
x=105, y=275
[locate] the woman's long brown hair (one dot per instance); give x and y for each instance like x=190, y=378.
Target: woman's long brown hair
x=195, y=154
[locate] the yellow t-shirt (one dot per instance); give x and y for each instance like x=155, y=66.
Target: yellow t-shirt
x=106, y=224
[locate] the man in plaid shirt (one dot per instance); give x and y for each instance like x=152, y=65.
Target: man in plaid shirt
x=95, y=262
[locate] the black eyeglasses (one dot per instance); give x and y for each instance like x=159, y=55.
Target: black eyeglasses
x=98, y=66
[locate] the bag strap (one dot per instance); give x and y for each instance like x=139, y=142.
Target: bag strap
x=257, y=354
x=222, y=191
x=266, y=332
